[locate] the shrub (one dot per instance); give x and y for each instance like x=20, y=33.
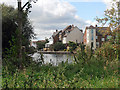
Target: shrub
x=40, y=45
x=72, y=46
x=107, y=51
x=59, y=46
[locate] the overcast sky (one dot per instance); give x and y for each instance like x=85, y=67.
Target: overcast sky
x=48, y=15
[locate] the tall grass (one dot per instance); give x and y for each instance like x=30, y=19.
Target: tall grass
x=91, y=75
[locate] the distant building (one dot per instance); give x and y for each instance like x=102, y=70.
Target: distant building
x=95, y=36
x=47, y=45
x=70, y=33
x=56, y=36
x=75, y=35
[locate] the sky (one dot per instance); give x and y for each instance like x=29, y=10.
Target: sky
x=48, y=15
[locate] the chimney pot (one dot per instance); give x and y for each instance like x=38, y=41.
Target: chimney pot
x=95, y=25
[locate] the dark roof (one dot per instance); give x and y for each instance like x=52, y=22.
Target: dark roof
x=103, y=30
x=67, y=28
x=56, y=33
x=90, y=27
x=41, y=41
x=100, y=30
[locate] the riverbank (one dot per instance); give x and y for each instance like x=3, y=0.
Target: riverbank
x=93, y=74
x=54, y=52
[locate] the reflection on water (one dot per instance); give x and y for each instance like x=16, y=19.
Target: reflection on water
x=54, y=59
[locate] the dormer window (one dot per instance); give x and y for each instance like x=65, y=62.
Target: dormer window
x=96, y=37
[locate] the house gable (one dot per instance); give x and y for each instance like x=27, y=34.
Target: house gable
x=75, y=36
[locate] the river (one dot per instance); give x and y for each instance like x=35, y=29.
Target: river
x=54, y=59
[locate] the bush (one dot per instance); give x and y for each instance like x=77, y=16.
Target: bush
x=108, y=51
x=72, y=46
x=40, y=45
x=59, y=46
x=31, y=50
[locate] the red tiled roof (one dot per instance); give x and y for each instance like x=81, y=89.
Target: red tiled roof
x=41, y=41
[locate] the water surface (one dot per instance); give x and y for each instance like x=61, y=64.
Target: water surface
x=54, y=59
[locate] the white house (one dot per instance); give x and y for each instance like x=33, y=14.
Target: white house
x=95, y=36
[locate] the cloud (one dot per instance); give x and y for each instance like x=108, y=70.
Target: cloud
x=109, y=3
x=92, y=22
x=47, y=16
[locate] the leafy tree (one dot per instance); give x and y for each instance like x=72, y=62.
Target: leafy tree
x=40, y=45
x=112, y=18
x=9, y=27
x=58, y=46
x=10, y=41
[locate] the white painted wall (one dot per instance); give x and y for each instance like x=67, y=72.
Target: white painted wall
x=74, y=35
x=64, y=40
x=89, y=38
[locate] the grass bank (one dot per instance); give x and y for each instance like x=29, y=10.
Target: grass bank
x=93, y=74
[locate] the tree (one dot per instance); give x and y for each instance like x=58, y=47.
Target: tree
x=10, y=42
x=40, y=45
x=10, y=25
x=59, y=46
x=112, y=18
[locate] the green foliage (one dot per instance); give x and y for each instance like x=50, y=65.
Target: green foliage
x=96, y=72
x=72, y=46
x=11, y=62
x=111, y=17
x=108, y=51
x=92, y=75
x=59, y=46
x=31, y=50
x=10, y=25
x=40, y=45
x=92, y=70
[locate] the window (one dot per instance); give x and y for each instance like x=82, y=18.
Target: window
x=88, y=36
x=97, y=44
x=96, y=37
x=92, y=31
x=103, y=39
x=92, y=37
x=91, y=34
x=76, y=41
